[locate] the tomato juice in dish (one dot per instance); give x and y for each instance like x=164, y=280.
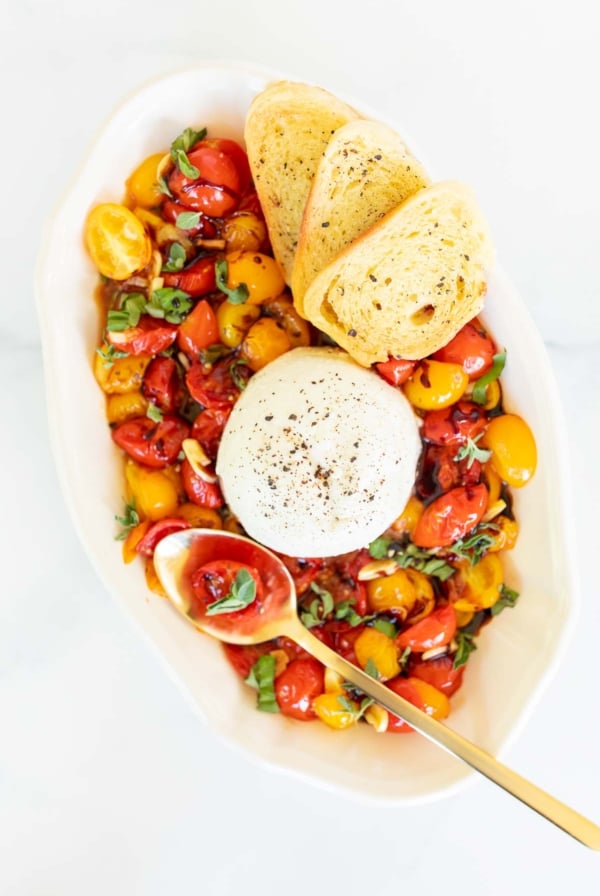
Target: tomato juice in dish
x=193, y=306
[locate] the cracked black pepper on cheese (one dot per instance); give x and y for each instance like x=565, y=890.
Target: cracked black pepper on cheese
x=319, y=454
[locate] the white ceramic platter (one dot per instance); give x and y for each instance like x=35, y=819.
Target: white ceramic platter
x=518, y=652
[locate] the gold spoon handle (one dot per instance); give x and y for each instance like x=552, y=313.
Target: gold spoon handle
x=562, y=816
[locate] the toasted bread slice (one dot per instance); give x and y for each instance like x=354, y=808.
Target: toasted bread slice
x=288, y=126
x=407, y=285
x=366, y=171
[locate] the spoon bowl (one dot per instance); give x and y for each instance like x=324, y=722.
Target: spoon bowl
x=177, y=557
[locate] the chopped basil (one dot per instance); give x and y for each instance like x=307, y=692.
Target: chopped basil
x=154, y=413
x=183, y=163
x=466, y=645
x=176, y=259
x=242, y=594
x=319, y=608
x=345, y=612
x=480, y=385
x=187, y=220
x=379, y=548
x=171, y=304
x=236, y=376
x=385, y=627
x=403, y=658
x=475, y=545
x=356, y=711
x=110, y=354
x=372, y=670
x=128, y=521
x=131, y=308
x=471, y=452
x=262, y=677
x=236, y=296
x=508, y=598
x=410, y=555
x=181, y=146
x=164, y=187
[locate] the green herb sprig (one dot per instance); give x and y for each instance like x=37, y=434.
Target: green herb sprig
x=410, y=555
x=236, y=296
x=180, y=148
x=242, y=594
x=471, y=452
x=466, y=645
x=128, y=521
x=262, y=677
x=176, y=258
x=508, y=598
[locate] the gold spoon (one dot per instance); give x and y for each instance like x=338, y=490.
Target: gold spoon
x=178, y=554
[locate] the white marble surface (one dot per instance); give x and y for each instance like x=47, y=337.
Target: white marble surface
x=108, y=782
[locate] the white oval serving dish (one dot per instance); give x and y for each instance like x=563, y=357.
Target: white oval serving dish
x=518, y=652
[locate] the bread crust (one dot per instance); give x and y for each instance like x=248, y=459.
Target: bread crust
x=288, y=127
x=366, y=171
x=407, y=285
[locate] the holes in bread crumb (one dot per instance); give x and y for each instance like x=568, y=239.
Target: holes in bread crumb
x=423, y=315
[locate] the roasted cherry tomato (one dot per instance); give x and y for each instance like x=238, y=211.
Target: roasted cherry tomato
x=304, y=571
x=451, y=516
x=223, y=176
x=208, y=428
x=435, y=384
x=243, y=657
x=158, y=531
x=142, y=184
x=198, y=490
x=152, y=444
x=454, y=425
x=204, y=227
x=149, y=337
x=297, y=686
x=214, y=387
x=436, y=630
x=161, y=383
x=439, y=471
x=472, y=348
x=198, y=279
x=406, y=689
x=438, y=671
x=198, y=330
x=396, y=370
x=214, y=581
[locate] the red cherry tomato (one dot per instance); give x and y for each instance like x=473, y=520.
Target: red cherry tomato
x=243, y=657
x=438, y=671
x=214, y=581
x=198, y=330
x=149, y=337
x=204, y=228
x=224, y=176
x=396, y=370
x=472, y=348
x=297, y=686
x=303, y=570
x=251, y=203
x=345, y=640
x=405, y=689
x=152, y=444
x=159, y=530
x=454, y=425
x=205, y=494
x=451, y=516
x=214, y=387
x=439, y=472
x=435, y=630
x=208, y=428
x=197, y=280
x=160, y=384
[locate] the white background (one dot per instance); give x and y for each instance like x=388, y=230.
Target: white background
x=109, y=784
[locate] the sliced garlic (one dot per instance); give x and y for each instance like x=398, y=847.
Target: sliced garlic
x=198, y=460
x=377, y=569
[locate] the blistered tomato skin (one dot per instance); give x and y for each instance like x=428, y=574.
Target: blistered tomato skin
x=161, y=384
x=198, y=490
x=435, y=384
x=157, y=532
x=454, y=425
x=451, y=516
x=435, y=630
x=396, y=371
x=514, y=452
x=151, y=444
x=297, y=686
x=197, y=280
x=149, y=337
x=198, y=330
x=472, y=348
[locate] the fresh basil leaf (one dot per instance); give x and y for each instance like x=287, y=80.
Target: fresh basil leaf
x=480, y=385
x=154, y=413
x=356, y=711
x=372, y=670
x=188, y=139
x=385, y=627
x=242, y=594
x=508, y=598
x=326, y=598
x=466, y=646
x=379, y=548
x=423, y=561
x=110, y=354
x=403, y=658
x=236, y=296
x=128, y=521
x=344, y=611
x=117, y=321
x=176, y=258
x=474, y=546
x=240, y=381
x=471, y=452
x=262, y=677
x=180, y=158
x=170, y=303
x=164, y=187
x=187, y=220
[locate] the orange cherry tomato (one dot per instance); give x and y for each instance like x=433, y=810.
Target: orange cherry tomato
x=198, y=330
x=472, y=348
x=436, y=630
x=395, y=371
x=297, y=686
x=451, y=516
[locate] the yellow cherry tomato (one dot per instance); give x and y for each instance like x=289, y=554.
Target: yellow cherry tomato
x=234, y=321
x=121, y=375
x=123, y=407
x=142, y=184
x=436, y=703
x=408, y=519
x=406, y=592
x=514, y=452
x=479, y=586
x=378, y=647
x=261, y=274
x=154, y=491
x=331, y=711
x=134, y=537
x=116, y=240
x=152, y=581
x=265, y=341
x=506, y=537
x=436, y=384
x=493, y=482
x=243, y=231
x=199, y=517
x=493, y=394
x=284, y=312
